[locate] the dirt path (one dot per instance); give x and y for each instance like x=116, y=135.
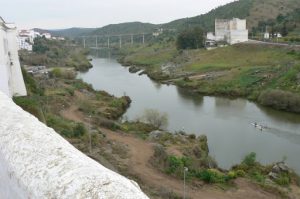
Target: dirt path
x=140, y=152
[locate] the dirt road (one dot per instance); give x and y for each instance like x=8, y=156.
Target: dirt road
x=140, y=153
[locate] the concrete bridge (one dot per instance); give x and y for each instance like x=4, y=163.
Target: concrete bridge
x=108, y=41
x=36, y=162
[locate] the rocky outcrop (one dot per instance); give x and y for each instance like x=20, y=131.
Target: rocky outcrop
x=36, y=162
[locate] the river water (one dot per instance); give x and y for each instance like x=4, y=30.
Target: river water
x=226, y=122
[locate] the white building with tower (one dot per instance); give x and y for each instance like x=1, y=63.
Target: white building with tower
x=11, y=78
x=231, y=31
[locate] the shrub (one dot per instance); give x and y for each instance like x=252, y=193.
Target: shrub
x=31, y=105
x=190, y=39
x=155, y=118
x=212, y=176
x=250, y=159
x=174, y=164
x=258, y=176
x=240, y=173
x=283, y=179
x=79, y=130
x=232, y=175
x=56, y=72
x=281, y=100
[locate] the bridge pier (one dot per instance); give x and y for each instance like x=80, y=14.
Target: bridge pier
x=96, y=42
x=83, y=42
x=143, y=38
x=120, y=37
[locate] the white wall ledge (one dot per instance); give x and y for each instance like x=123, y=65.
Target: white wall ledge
x=36, y=162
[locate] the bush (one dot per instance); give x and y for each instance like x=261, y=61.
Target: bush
x=31, y=85
x=283, y=179
x=31, y=105
x=258, y=176
x=240, y=173
x=212, y=176
x=281, y=100
x=155, y=118
x=79, y=130
x=250, y=159
x=56, y=72
x=190, y=39
x=174, y=164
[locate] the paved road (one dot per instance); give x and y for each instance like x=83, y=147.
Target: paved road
x=271, y=43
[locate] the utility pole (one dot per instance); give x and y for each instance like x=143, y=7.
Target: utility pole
x=120, y=37
x=90, y=134
x=185, y=169
x=83, y=42
x=131, y=40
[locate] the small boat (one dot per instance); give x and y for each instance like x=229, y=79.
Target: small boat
x=258, y=126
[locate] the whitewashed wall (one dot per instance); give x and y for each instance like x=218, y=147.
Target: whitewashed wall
x=11, y=79
x=36, y=162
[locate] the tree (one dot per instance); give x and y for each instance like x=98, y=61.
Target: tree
x=155, y=118
x=40, y=45
x=284, y=30
x=190, y=39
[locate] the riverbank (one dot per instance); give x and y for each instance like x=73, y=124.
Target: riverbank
x=252, y=71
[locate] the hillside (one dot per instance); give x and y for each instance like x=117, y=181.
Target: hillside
x=125, y=28
x=254, y=11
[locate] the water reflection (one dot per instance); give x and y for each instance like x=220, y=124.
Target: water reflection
x=281, y=116
x=189, y=96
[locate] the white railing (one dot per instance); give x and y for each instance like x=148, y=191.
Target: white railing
x=36, y=162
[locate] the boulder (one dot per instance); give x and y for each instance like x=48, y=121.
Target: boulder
x=154, y=135
x=283, y=167
x=276, y=169
x=273, y=175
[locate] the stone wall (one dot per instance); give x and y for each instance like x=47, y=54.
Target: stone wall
x=36, y=162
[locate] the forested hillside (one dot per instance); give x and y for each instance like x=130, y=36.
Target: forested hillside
x=125, y=28
x=255, y=11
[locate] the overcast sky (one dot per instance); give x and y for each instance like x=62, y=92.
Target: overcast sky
x=53, y=14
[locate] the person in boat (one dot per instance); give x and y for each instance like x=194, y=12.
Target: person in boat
x=255, y=124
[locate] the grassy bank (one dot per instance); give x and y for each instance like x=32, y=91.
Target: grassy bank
x=242, y=70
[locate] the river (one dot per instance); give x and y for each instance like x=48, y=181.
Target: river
x=226, y=122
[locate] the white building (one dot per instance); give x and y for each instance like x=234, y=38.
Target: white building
x=266, y=35
x=158, y=32
x=232, y=31
x=11, y=79
x=46, y=35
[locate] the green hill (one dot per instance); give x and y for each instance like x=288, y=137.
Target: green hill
x=125, y=28
x=254, y=11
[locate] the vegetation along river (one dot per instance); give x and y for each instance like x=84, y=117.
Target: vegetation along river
x=226, y=122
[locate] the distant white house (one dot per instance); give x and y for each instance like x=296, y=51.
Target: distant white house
x=46, y=35
x=158, y=32
x=26, y=39
x=266, y=35
x=232, y=31
x=11, y=79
